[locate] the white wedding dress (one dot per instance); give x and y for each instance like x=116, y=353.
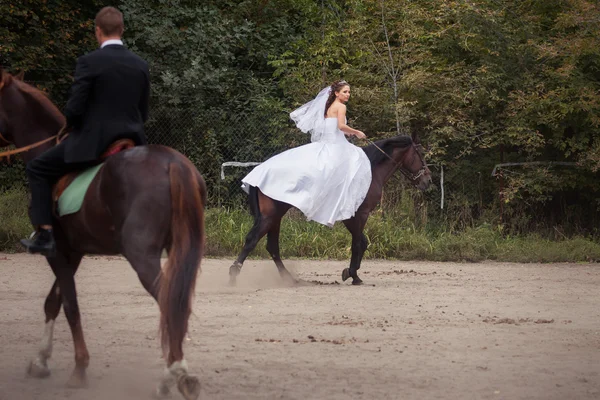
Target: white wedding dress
x=327, y=179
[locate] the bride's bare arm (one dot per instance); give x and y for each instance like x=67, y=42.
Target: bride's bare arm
x=341, y=117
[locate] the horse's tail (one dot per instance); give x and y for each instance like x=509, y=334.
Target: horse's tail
x=186, y=248
x=253, y=202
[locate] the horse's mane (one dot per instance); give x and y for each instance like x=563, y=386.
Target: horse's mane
x=41, y=99
x=388, y=145
x=4, y=78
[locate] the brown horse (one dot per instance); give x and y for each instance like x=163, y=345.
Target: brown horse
x=386, y=157
x=143, y=200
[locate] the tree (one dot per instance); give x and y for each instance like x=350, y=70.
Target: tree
x=44, y=39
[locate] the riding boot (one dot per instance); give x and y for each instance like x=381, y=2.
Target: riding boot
x=42, y=242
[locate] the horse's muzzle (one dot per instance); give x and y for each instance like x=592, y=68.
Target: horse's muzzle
x=424, y=181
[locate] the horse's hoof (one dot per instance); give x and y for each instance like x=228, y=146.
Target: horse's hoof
x=234, y=271
x=291, y=282
x=161, y=392
x=357, y=281
x=38, y=371
x=78, y=380
x=189, y=386
x=287, y=277
x=345, y=274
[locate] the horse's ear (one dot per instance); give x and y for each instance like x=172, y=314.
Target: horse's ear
x=415, y=138
x=20, y=76
x=4, y=78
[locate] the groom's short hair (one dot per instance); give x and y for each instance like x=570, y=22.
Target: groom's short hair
x=110, y=21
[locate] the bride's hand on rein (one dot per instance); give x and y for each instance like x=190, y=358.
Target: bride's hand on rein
x=360, y=135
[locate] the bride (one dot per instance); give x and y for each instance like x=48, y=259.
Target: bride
x=326, y=179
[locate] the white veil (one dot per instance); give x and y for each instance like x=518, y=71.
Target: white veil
x=310, y=117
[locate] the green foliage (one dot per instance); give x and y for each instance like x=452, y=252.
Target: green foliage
x=478, y=82
x=12, y=176
x=216, y=97
x=44, y=38
x=393, y=237
x=14, y=221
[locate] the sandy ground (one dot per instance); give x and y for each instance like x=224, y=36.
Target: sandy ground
x=417, y=330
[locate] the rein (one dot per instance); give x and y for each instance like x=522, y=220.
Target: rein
x=2, y=140
x=409, y=175
x=9, y=153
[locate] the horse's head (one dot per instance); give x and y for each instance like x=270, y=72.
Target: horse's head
x=5, y=132
x=400, y=152
x=26, y=114
x=413, y=166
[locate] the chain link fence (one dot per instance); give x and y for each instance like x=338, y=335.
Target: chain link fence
x=217, y=141
x=227, y=146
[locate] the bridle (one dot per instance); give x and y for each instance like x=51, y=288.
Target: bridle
x=408, y=174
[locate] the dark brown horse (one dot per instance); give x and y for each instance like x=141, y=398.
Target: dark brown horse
x=142, y=200
x=386, y=157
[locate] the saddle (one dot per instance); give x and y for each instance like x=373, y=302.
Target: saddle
x=63, y=183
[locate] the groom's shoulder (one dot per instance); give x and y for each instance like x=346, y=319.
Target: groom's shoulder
x=136, y=57
x=100, y=55
x=90, y=55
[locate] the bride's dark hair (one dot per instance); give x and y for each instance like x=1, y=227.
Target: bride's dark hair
x=335, y=87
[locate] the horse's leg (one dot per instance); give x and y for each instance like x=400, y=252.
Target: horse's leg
x=147, y=267
x=145, y=260
x=261, y=226
x=149, y=271
x=356, y=225
x=273, y=249
x=38, y=367
x=144, y=255
x=64, y=266
x=178, y=226
x=264, y=210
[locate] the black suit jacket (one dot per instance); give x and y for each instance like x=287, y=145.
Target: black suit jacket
x=108, y=101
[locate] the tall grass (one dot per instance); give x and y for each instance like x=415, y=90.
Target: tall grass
x=401, y=233
x=14, y=221
x=391, y=237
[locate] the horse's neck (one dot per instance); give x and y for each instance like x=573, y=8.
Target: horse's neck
x=30, y=154
x=38, y=124
x=386, y=168
x=29, y=132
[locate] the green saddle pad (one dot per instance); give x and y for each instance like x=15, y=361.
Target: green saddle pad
x=71, y=199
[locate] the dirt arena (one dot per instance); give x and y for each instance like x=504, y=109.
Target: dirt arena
x=416, y=330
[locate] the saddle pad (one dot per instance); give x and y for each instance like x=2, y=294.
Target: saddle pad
x=71, y=199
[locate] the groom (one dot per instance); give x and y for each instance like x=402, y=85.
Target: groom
x=108, y=101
